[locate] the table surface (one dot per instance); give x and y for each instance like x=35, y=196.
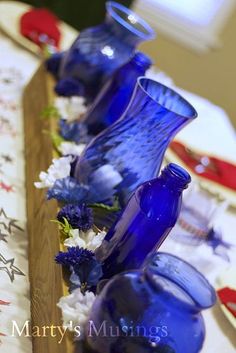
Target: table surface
x=220, y=335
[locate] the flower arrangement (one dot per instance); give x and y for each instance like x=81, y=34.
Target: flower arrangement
x=79, y=236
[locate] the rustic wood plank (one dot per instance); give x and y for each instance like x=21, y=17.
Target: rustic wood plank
x=44, y=242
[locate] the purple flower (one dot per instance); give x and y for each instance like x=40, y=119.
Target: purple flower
x=68, y=87
x=79, y=217
x=53, y=63
x=74, y=256
x=86, y=269
x=74, y=131
x=68, y=190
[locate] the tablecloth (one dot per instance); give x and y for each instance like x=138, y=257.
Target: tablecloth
x=16, y=67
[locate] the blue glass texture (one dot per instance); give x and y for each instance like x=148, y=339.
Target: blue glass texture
x=154, y=310
x=115, y=96
x=134, y=145
x=149, y=216
x=99, y=51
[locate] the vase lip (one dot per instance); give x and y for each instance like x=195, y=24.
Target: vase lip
x=191, y=112
x=182, y=274
x=114, y=7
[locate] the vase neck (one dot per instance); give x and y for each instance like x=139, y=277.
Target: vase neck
x=126, y=25
x=188, y=286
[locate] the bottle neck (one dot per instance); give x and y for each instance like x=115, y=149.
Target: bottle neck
x=161, y=197
x=175, y=177
x=141, y=61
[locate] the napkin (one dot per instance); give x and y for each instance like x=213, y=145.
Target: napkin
x=41, y=27
x=212, y=168
x=228, y=298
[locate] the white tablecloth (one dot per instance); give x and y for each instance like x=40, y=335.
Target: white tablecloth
x=215, y=133
x=16, y=67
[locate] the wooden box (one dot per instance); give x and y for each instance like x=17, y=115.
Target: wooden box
x=46, y=280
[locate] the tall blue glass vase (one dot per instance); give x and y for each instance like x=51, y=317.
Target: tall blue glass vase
x=132, y=149
x=153, y=310
x=115, y=96
x=148, y=218
x=99, y=51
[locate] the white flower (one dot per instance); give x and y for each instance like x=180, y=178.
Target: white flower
x=70, y=108
x=59, y=169
x=71, y=148
x=76, y=308
x=87, y=240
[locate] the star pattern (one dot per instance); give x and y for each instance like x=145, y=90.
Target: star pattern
x=3, y=302
x=3, y=236
x=11, y=276
x=7, y=222
x=5, y=187
x=7, y=158
x=9, y=267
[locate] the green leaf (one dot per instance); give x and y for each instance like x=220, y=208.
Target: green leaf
x=114, y=208
x=65, y=228
x=50, y=112
x=56, y=139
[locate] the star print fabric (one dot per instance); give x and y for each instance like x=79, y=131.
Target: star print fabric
x=16, y=68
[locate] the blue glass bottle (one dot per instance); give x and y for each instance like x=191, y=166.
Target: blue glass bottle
x=99, y=51
x=153, y=310
x=133, y=147
x=115, y=96
x=149, y=216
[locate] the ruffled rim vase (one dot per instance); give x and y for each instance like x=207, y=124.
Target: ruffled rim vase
x=132, y=148
x=99, y=51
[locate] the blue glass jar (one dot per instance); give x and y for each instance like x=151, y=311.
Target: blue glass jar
x=156, y=309
x=115, y=96
x=99, y=51
x=149, y=216
x=133, y=147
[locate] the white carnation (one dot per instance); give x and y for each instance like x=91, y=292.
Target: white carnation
x=70, y=108
x=59, y=169
x=76, y=308
x=71, y=148
x=87, y=240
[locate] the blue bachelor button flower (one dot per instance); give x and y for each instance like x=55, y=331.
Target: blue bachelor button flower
x=74, y=131
x=85, y=268
x=68, y=87
x=74, y=256
x=68, y=190
x=79, y=217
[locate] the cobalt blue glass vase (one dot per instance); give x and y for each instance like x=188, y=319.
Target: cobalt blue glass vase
x=149, y=216
x=115, y=96
x=133, y=147
x=156, y=309
x=99, y=51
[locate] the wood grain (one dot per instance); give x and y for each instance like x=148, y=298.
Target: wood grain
x=44, y=242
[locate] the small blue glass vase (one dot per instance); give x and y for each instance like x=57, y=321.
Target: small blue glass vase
x=115, y=96
x=149, y=216
x=153, y=310
x=133, y=147
x=99, y=51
